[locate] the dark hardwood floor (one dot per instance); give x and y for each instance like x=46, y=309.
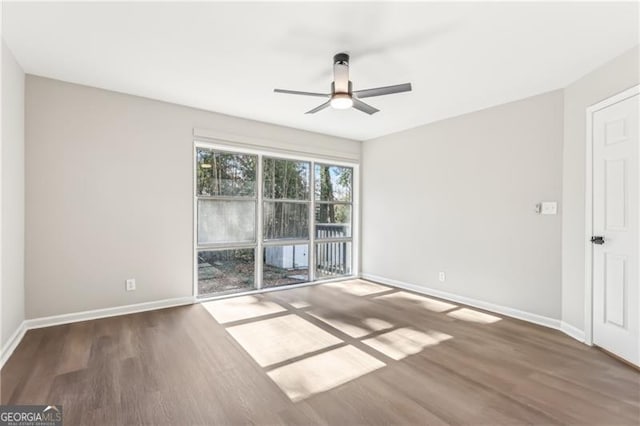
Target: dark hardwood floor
x=339, y=354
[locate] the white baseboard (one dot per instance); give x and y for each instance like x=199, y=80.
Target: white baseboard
x=12, y=343
x=503, y=310
x=572, y=331
x=86, y=316
x=107, y=312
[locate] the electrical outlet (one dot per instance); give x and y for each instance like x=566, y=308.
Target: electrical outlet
x=130, y=284
x=442, y=277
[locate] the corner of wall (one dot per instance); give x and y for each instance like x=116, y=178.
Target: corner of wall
x=12, y=204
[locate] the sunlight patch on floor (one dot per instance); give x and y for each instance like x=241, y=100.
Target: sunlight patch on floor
x=299, y=298
x=354, y=327
x=400, y=343
x=357, y=287
x=466, y=314
x=322, y=372
x=241, y=308
x=299, y=304
x=275, y=340
x=426, y=302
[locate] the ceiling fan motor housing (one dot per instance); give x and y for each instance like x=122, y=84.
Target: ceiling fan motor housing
x=333, y=88
x=341, y=83
x=341, y=58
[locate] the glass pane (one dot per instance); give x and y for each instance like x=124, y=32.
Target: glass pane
x=225, y=174
x=225, y=271
x=333, y=259
x=286, y=220
x=333, y=220
x=333, y=183
x=286, y=179
x=226, y=221
x=285, y=265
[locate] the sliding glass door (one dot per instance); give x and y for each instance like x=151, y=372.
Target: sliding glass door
x=264, y=221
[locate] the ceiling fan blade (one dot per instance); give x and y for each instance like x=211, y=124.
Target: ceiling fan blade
x=380, y=91
x=361, y=106
x=295, y=92
x=319, y=108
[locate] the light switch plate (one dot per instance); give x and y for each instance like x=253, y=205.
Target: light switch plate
x=549, y=207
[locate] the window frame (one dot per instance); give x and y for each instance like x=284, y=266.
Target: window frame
x=260, y=243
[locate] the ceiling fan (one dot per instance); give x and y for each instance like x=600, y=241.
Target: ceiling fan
x=341, y=96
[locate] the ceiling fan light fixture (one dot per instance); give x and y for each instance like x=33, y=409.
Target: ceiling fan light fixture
x=341, y=95
x=341, y=101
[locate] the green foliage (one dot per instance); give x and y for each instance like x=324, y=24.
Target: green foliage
x=333, y=213
x=225, y=174
x=333, y=184
x=286, y=220
x=285, y=179
x=345, y=179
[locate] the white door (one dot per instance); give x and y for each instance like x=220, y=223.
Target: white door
x=616, y=186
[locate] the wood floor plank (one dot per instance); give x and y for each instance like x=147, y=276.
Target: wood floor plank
x=412, y=359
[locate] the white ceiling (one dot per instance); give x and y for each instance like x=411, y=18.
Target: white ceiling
x=228, y=57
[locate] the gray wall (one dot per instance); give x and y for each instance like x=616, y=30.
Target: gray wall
x=458, y=196
x=12, y=249
x=109, y=197
x=611, y=78
x=109, y=193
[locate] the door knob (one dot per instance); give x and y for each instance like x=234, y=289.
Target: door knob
x=597, y=240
